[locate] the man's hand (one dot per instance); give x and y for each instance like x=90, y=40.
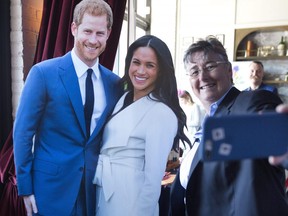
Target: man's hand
x=277, y=160
x=280, y=160
x=30, y=204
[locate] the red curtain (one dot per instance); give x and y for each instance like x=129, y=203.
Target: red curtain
x=55, y=39
x=107, y=58
x=10, y=203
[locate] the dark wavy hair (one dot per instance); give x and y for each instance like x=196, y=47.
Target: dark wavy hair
x=165, y=87
x=258, y=63
x=207, y=45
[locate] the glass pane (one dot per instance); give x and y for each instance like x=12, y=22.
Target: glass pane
x=141, y=8
x=121, y=52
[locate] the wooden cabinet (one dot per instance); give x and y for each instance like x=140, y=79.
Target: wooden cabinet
x=275, y=82
x=259, y=43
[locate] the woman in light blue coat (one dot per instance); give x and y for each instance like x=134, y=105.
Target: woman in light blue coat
x=146, y=123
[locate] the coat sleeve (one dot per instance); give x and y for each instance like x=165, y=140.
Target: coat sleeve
x=160, y=135
x=31, y=106
x=256, y=101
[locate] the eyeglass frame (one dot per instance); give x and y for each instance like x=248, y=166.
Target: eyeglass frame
x=192, y=74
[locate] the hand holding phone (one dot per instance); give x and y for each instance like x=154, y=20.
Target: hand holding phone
x=236, y=137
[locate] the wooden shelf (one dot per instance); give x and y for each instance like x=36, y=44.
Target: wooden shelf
x=275, y=82
x=251, y=58
x=243, y=35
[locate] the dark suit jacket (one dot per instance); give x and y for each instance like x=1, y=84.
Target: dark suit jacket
x=238, y=188
x=265, y=87
x=51, y=109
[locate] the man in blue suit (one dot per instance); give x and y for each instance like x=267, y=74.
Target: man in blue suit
x=256, y=78
x=55, y=157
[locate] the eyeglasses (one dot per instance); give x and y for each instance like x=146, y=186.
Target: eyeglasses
x=209, y=67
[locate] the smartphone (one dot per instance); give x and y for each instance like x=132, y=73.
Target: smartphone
x=237, y=137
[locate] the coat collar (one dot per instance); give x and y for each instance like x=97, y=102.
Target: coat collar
x=228, y=101
x=131, y=115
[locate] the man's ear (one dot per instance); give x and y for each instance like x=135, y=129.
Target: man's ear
x=73, y=28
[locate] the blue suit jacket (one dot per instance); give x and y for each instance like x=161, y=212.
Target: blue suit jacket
x=265, y=87
x=51, y=111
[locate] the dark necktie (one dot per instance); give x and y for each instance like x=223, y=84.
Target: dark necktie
x=89, y=101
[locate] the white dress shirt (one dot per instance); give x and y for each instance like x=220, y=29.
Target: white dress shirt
x=184, y=174
x=99, y=92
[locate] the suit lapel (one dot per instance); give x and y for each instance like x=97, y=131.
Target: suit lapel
x=223, y=109
x=227, y=103
x=131, y=116
x=69, y=79
x=196, y=157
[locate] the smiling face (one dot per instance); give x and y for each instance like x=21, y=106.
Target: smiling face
x=143, y=71
x=256, y=74
x=90, y=38
x=209, y=86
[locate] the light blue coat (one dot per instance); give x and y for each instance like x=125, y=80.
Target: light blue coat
x=136, y=145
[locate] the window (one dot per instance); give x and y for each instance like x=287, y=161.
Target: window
x=136, y=24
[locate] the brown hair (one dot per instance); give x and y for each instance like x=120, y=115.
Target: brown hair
x=95, y=8
x=258, y=63
x=209, y=44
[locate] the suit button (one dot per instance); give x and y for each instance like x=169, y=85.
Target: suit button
x=81, y=169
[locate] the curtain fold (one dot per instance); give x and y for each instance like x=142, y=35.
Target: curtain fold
x=55, y=39
x=107, y=58
x=10, y=203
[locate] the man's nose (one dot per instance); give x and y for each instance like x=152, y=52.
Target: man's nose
x=93, y=39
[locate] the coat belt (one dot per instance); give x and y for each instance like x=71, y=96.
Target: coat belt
x=104, y=177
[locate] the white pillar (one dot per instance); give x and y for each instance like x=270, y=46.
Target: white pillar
x=16, y=40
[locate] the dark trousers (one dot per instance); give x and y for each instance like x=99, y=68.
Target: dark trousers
x=80, y=204
x=177, y=195
x=164, y=201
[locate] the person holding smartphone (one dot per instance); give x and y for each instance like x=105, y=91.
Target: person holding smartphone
x=250, y=187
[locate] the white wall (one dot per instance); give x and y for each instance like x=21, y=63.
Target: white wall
x=261, y=12
x=163, y=22
x=180, y=22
